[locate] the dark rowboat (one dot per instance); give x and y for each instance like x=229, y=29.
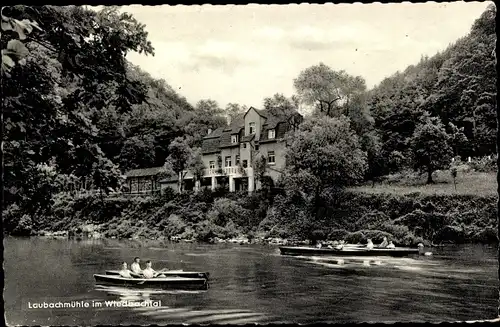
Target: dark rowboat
x=164, y=283
x=172, y=273
x=299, y=250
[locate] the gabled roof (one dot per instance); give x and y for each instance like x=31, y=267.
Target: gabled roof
x=216, y=133
x=221, y=138
x=262, y=113
x=144, y=172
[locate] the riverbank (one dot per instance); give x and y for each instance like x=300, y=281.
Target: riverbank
x=355, y=215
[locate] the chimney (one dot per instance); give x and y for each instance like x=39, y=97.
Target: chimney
x=209, y=131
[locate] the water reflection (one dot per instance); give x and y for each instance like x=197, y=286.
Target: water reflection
x=250, y=284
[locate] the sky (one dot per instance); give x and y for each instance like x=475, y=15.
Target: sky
x=242, y=54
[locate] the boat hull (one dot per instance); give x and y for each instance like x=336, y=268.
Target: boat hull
x=401, y=252
x=171, y=273
x=164, y=283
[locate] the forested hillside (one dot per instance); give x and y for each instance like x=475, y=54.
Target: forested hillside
x=74, y=108
x=457, y=85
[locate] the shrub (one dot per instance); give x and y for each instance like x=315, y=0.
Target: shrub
x=207, y=231
x=24, y=226
x=355, y=238
x=449, y=233
x=337, y=234
x=174, y=225
x=485, y=164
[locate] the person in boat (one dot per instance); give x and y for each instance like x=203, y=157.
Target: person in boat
x=319, y=245
x=391, y=245
x=339, y=246
x=384, y=243
x=369, y=245
x=136, y=267
x=149, y=272
x=124, y=272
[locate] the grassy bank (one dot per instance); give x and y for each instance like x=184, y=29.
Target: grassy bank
x=466, y=183
x=407, y=215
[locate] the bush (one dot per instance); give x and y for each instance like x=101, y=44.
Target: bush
x=174, y=225
x=24, y=226
x=450, y=233
x=207, y=231
x=355, y=238
x=485, y=164
x=337, y=234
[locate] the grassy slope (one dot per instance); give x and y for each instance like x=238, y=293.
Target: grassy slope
x=468, y=183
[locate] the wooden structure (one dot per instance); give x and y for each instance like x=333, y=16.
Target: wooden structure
x=145, y=180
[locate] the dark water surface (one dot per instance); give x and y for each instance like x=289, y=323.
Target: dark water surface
x=250, y=283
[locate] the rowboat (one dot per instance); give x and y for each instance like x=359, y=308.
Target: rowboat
x=349, y=251
x=172, y=273
x=157, y=282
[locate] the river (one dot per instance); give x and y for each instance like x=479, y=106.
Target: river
x=249, y=284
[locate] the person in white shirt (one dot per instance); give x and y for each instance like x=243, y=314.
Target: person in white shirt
x=149, y=272
x=391, y=245
x=369, y=245
x=124, y=272
x=384, y=243
x=135, y=266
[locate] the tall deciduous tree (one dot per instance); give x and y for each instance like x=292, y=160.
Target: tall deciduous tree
x=335, y=93
x=281, y=106
x=234, y=111
x=178, y=160
x=430, y=146
x=324, y=153
x=196, y=165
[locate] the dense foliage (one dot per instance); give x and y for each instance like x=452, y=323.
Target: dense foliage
x=77, y=114
x=457, y=85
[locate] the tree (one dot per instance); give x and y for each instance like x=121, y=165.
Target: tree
x=281, y=106
x=458, y=140
x=335, y=93
x=371, y=144
x=430, y=146
x=196, y=165
x=178, y=160
x=51, y=100
x=259, y=166
x=324, y=153
x=234, y=111
x=206, y=115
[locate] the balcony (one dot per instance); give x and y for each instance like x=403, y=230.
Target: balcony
x=234, y=171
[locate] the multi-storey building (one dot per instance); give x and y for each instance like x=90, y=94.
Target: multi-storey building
x=229, y=152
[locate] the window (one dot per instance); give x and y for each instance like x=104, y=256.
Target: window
x=228, y=161
x=271, y=134
x=237, y=160
x=251, y=128
x=244, y=145
x=245, y=163
x=234, y=138
x=271, y=158
x=256, y=147
x=212, y=164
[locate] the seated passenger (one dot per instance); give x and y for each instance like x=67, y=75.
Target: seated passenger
x=149, y=272
x=124, y=272
x=384, y=243
x=135, y=266
x=369, y=245
x=391, y=245
x=319, y=245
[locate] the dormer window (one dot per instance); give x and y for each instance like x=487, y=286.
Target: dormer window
x=251, y=128
x=234, y=138
x=271, y=134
